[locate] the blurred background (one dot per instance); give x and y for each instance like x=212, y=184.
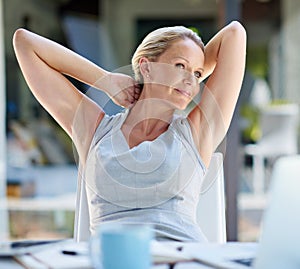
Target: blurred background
x=38, y=173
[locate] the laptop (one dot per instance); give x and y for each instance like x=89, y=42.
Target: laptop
x=279, y=244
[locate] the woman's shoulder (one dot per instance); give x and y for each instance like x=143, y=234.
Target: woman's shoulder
x=180, y=122
x=182, y=125
x=108, y=123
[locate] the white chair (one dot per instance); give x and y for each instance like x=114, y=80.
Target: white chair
x=279, y=126
x=210, y=211
x=82, y=217
x=211, y=206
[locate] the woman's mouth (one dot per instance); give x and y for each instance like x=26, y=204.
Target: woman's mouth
x=183, y=92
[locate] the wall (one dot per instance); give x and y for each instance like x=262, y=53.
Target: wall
x=41, y=18
x=3, y=212
x=290, y=47
x=119, y=16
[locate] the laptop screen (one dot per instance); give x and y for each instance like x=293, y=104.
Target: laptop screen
x=279, y=246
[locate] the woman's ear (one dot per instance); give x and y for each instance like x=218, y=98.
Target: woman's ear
x=144, y=67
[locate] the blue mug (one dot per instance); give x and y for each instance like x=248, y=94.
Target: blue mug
x=123, y=246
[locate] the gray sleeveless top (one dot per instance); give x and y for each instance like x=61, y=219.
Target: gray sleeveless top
x=156, y=182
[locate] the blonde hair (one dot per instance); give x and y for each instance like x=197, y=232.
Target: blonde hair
x=156, y=42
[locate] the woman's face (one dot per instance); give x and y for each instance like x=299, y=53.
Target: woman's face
x=177, y=73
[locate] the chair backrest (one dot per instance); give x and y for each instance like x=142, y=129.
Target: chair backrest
x=211, y=206
x=82, y=217
x=210, y=211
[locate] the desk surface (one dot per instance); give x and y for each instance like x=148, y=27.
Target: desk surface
x=53, y=258
x=9, y=263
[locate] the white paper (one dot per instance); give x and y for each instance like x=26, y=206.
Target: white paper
x=54, y=258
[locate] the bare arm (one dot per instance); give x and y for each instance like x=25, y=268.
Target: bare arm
x=225, y=63
x=44, y=64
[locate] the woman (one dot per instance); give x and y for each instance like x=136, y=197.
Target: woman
x=144, y=165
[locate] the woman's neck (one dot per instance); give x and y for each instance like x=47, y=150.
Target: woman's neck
x=146, y=120
x=149, y=112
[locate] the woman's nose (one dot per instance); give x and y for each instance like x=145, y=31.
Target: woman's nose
x=188, y=78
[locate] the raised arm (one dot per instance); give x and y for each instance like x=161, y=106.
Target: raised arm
x=225, y=64
x=44, y=64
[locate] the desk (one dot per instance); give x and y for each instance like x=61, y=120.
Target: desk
x=56, y=259
x=9, y=263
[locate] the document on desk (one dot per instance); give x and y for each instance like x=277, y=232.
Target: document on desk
x=54, y=257
x=218, y=256
x=223, y=256
x=167, y=253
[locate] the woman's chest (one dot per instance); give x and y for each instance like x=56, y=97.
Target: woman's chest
x=148, y=174
x=161, y=155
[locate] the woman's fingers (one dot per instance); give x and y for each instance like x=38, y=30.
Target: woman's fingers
x=126, y=89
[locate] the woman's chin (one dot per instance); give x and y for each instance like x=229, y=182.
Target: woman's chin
x=181, y=107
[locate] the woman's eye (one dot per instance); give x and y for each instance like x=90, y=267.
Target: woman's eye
x=179, y=65
x=197, y=74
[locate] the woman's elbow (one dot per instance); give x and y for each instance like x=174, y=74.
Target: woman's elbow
x=237, y=29
x=20, y=38
x=18, y=35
